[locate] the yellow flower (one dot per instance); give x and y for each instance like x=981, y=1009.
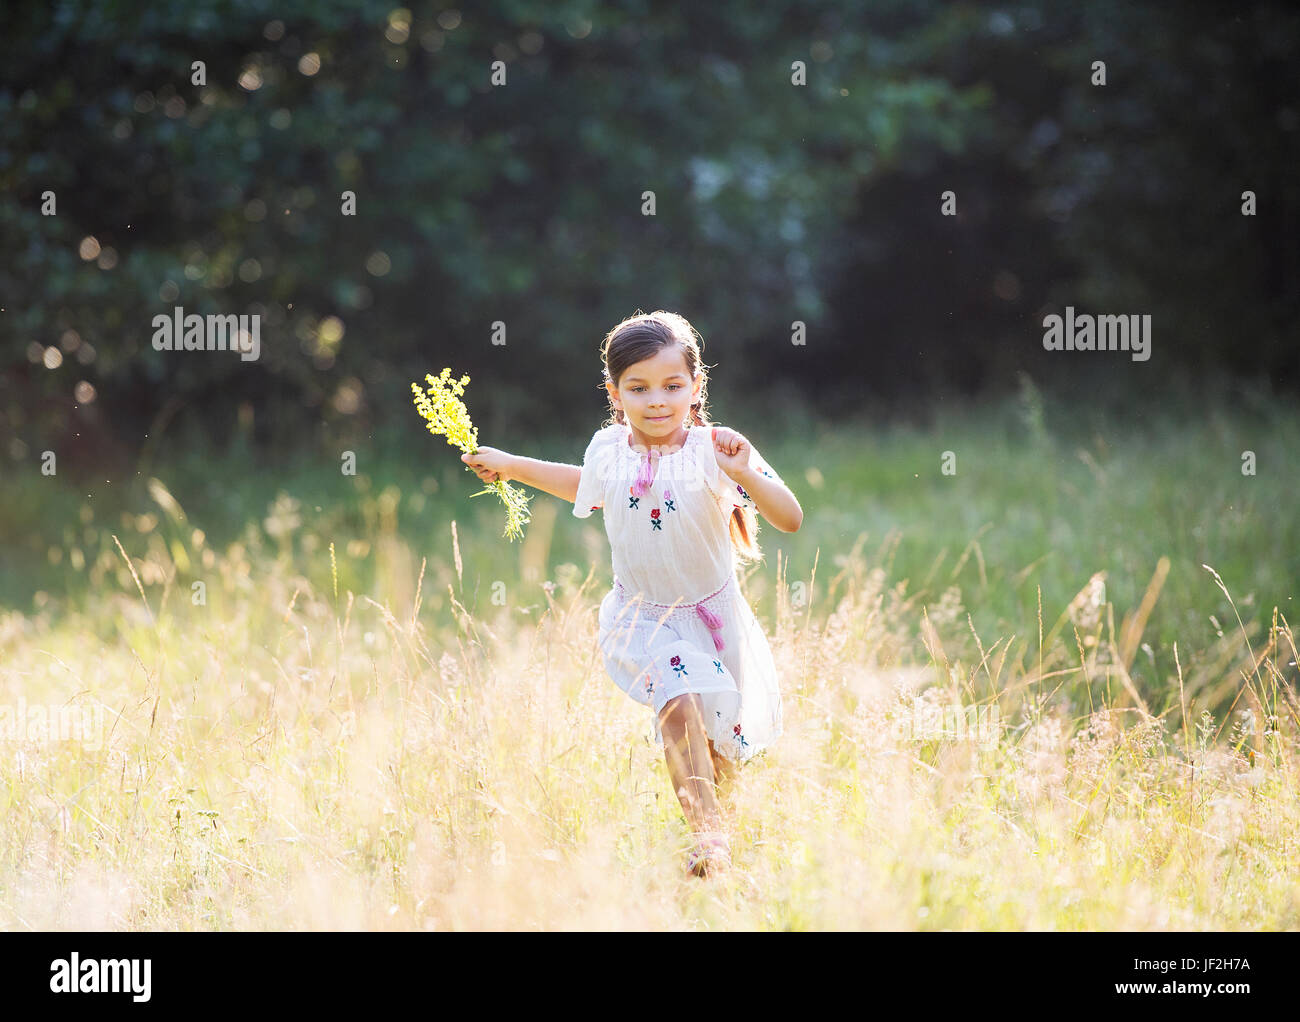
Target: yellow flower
x=443, y=411
x=446, y=415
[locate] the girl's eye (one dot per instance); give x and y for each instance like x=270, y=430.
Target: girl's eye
x=675, y=386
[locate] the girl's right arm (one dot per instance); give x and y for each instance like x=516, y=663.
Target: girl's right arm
x=555, y=478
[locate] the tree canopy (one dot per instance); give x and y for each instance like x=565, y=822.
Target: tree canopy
x=524, y=202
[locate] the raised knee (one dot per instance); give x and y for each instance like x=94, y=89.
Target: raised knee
x=677, y=711
x=680, y=702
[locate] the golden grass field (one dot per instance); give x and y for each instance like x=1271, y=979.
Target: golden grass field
x=286, y=756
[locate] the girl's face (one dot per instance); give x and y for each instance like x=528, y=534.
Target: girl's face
x=656, y=395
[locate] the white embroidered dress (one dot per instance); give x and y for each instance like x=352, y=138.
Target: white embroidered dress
x=675, y=597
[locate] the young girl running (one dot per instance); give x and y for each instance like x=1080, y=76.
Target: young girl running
x=678, y=496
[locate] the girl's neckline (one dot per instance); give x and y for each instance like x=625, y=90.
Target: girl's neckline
x=627, y=436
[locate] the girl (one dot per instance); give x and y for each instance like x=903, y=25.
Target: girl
x=678, y=497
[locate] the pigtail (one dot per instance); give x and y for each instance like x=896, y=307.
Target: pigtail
x=744, y=529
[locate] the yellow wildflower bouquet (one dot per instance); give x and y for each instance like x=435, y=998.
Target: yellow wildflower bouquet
x=445, y=415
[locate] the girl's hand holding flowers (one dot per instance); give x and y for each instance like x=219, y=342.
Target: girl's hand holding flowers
x=489, y=464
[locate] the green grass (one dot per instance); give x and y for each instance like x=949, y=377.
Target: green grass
x=413, y=753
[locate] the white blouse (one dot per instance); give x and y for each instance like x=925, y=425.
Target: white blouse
x=673, y=542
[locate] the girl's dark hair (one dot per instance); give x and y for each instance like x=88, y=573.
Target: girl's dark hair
x=643, y=336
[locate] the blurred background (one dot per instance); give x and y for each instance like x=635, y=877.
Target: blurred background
x=522, y=204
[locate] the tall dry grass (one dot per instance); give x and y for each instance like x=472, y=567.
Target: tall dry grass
x=292, y=756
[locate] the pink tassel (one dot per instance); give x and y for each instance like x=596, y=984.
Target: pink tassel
x=711, y=619
x=714, y=624
x=644, y=478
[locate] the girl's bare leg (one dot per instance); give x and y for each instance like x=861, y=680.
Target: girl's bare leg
x=690, y=761
x=723, y=769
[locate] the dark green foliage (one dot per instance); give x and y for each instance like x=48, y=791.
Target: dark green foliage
x=522, y=204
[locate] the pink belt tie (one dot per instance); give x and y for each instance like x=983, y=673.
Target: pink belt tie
x=710, y=619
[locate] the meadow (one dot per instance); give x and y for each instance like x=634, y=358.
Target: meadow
x=373, y=712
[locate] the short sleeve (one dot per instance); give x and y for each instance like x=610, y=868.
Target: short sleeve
x=595, y=470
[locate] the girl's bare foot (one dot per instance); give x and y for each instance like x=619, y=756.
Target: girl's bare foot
x=711, y=855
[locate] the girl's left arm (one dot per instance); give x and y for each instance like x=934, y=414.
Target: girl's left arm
x=771, y=497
